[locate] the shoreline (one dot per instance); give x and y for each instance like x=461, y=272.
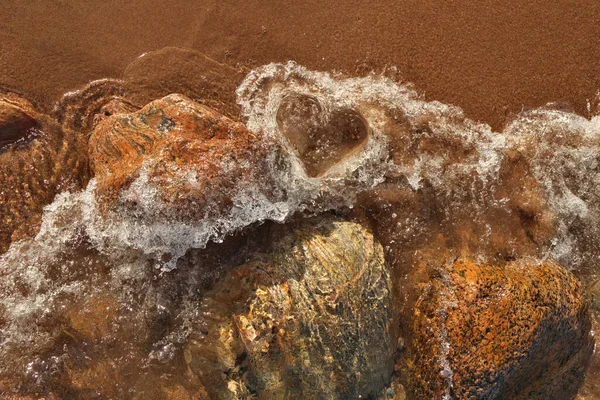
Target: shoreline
x=492, y=60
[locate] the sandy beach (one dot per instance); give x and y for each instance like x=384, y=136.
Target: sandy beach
x=492, y=58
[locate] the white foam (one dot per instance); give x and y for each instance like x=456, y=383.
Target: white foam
x=132, y=235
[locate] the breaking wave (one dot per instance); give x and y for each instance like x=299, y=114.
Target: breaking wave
x=395, y=136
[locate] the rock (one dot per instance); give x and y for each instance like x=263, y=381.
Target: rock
x=516, y=332
x=38, y=159
x=17, y=119
x=168, y=135
x=310, y=319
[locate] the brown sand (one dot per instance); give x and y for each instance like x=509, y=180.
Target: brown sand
x=491, y=57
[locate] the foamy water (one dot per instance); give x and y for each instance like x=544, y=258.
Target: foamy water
x=461, y=159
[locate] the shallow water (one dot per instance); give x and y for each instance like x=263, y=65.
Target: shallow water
x=102, y=304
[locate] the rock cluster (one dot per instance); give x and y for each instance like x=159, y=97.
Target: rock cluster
x=319, y=307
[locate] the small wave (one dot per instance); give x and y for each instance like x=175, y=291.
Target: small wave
x=367, y=131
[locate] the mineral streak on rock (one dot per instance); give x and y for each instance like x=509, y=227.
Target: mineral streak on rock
x=514, y=332
x=38, y=159
x=310, y=319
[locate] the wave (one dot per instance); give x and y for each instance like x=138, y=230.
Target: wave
x=334, y=139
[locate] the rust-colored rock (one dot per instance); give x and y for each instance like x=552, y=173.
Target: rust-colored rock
x=168, y=135
x=514, y=332
x=309, y=320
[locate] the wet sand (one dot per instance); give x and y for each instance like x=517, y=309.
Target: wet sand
x=491, y=57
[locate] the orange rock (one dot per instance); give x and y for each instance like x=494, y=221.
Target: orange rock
x=172, y=133
x=526, y=335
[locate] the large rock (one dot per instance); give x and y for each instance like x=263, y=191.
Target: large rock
x=515, y=332
x=310, y=319
x=172, y=134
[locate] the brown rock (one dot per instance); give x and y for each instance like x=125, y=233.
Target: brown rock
x=17, y=119
x=516, y=332
x=309, y=320
x=38, y=159
x=172, y=133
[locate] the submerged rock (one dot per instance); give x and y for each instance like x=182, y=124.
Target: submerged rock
x=37, y=160
x=311, y=319
x=514, y=332
x=17, y=119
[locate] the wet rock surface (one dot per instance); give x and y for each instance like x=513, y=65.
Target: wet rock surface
x=210, y=258
x=38, y=159
x=517, y=332
x=309, y=320
x=170, y=134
